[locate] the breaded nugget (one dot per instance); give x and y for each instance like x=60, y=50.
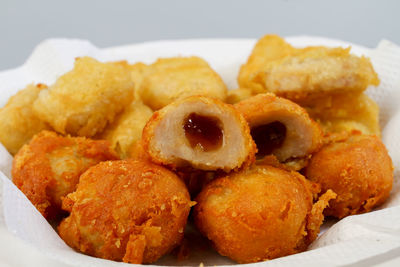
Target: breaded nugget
x=84, y=100
x=280, y=127
x=260, y=213
x=169, y=79
x=17, y=122
x=358, y=169
x=344, y=112
x=127, y=128
x=199, y=132
x=138, y=72
x=131, y=211
x=275, y=66
x=48, y=168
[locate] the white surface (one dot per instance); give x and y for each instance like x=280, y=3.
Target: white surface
x=372, y=237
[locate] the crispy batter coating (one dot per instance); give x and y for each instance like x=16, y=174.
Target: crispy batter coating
x=280, y=127
x=275, y=66
x=127, y=128
x=131, y=211
x=169, y=79
x=260, y=213
x=84, y=100
x=358, y=169
x=48, y=168
x=238, y=95
x=17, y=122
x=199, y=132
x=138, y=72
x=344, y=112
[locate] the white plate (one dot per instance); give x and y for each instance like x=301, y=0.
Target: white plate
x=353, y=239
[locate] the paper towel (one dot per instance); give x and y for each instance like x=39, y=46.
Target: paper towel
x=372, y=237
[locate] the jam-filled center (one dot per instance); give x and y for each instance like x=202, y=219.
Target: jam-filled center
x=268, y=137
x=203, y=132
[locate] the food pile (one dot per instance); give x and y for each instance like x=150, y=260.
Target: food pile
x=121, y=157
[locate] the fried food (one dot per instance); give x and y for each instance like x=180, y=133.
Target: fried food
x=199, y=132
x=238, y=95
x=138, y=72
x=358, y=169
x=260, y=213
x=344, y=112
x=170, y=79
x=131, y=211
x=127, y=128
x=17, y=122
x=84, y=100
x=275, y=66
x=280, y=127
x=48, y=168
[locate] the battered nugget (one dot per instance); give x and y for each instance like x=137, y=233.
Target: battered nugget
x=131, y=211
x=275, y=66
x=169, y=79
x=260, y=213
x=358, y=169
x=344, y=112
x=84, y=100
x=199, y=132
x=17, y=122
x=280, y=127
x=127, y=129
x=48, y=168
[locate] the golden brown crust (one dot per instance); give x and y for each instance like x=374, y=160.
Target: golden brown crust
x=170, y=79
x=258, y=214
x=275, y=66
x=303, y=135
x=48, y=168
x=234, y=127
x=344, y=113
x=84, y=100
x=127, y=210
x=18, y=123
x=358, y=169
x=127, y=128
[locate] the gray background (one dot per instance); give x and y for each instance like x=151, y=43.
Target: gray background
x=23, y=24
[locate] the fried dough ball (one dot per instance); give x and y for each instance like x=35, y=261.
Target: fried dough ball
x=48, y=168
x=127, y=128
x=199, y=132
x=238, y=95
x=84, y=100
x=358, y=169
x=275, y=66
x=280, y=127
x=170, y=79
x=260, y=213
x=131, y=211
x=344, y=112
x=17, y=122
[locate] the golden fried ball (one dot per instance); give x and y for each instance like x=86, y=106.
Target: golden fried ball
x=48, y=168
x=170, y=79
x=127, y=210
x=260, y=213
x=358, y=169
